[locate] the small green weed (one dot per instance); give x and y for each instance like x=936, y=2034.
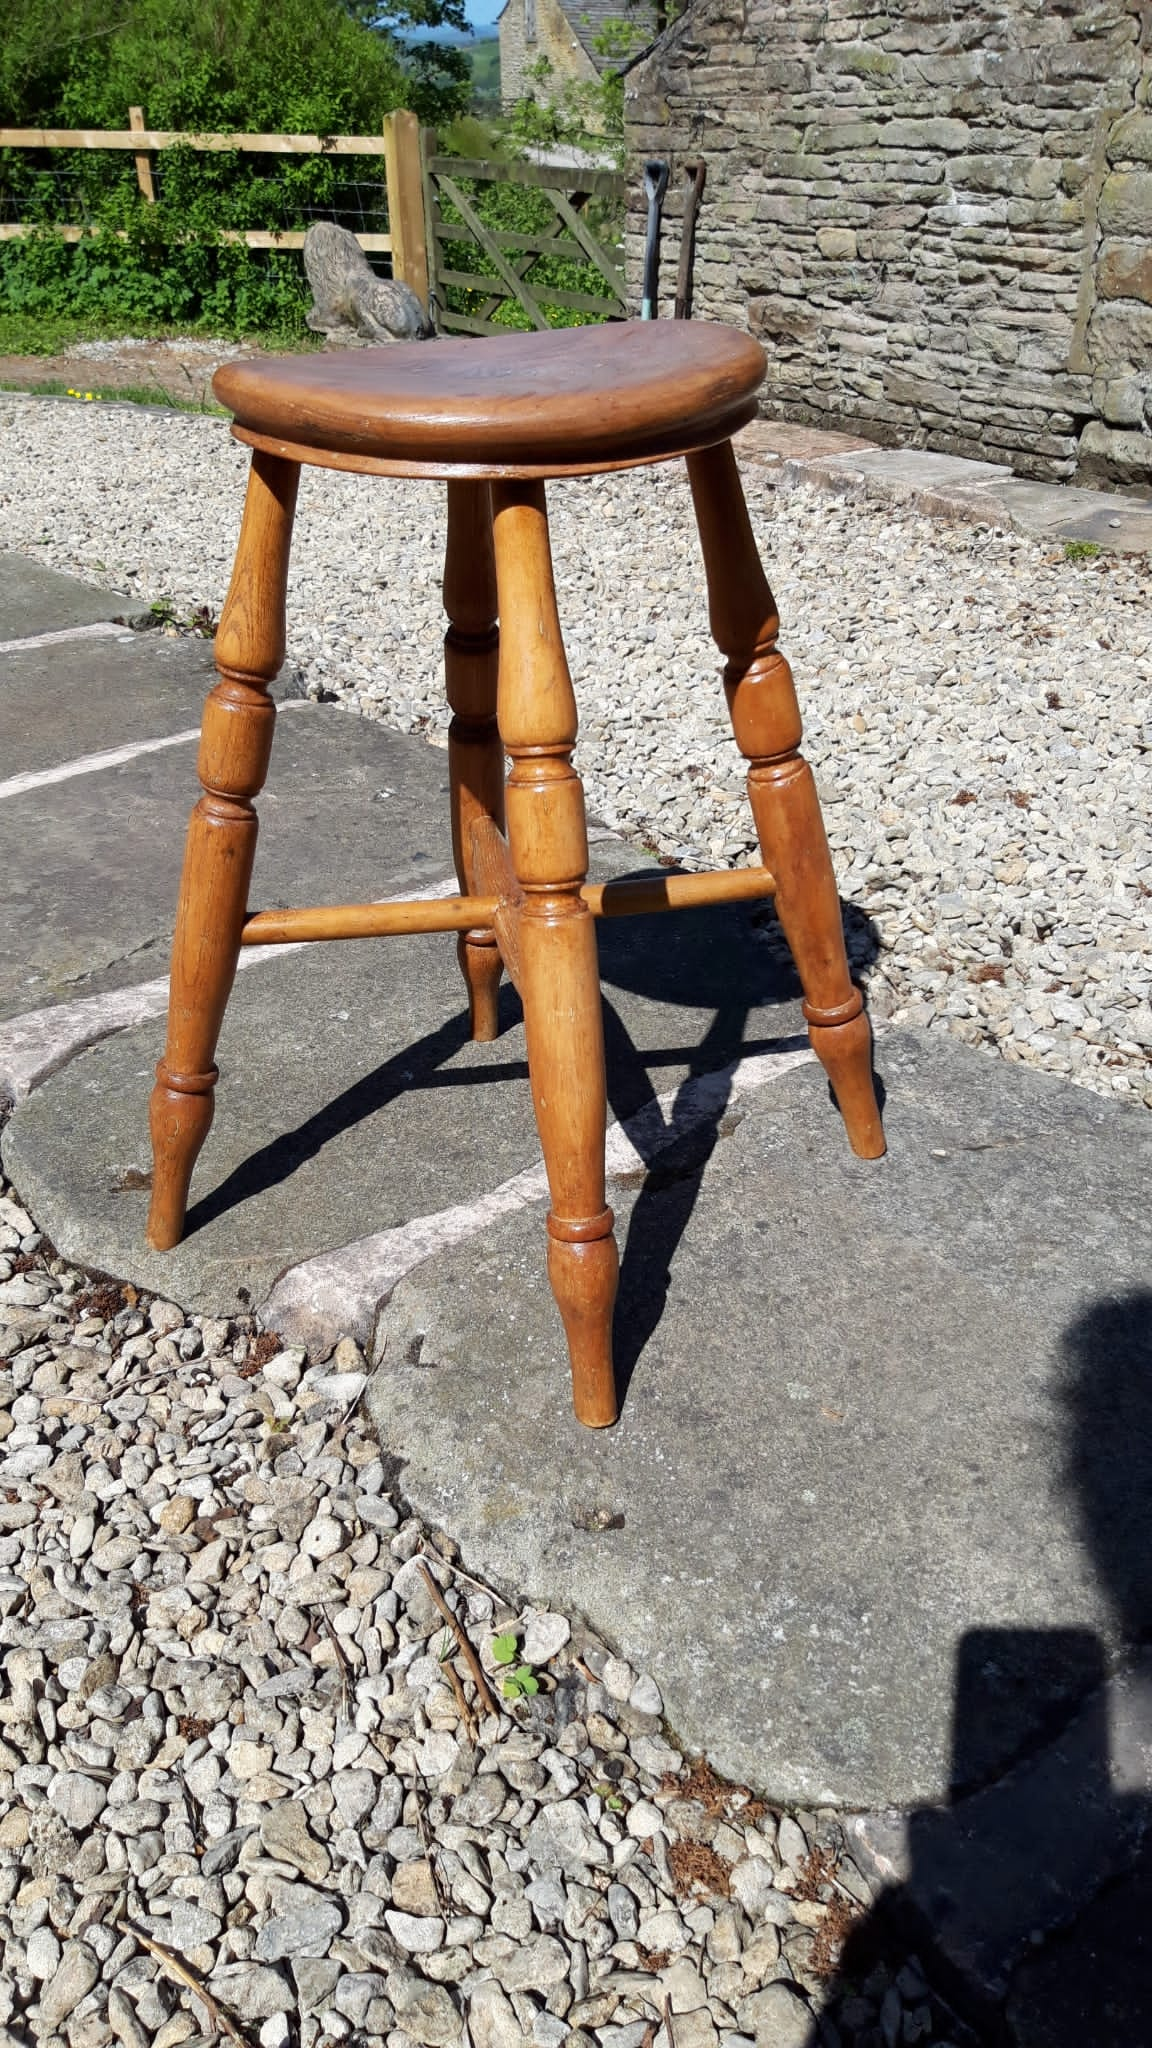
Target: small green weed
x=519, y=1683
x=1081, y=550
x=164, y=617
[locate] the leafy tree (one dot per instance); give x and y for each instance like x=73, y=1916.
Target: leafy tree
x=303, y=66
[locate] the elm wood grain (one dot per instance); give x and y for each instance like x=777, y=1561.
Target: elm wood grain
x=577, y=396
x=766, y=721
x=559, y=971
x=235, y=744
x=475, y=755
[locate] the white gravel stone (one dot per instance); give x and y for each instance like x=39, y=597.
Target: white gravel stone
x=43, y=1953
x=77, y=1798
x=544, y=1637
x=645, y=1819
x=74, y=1976
x=618, y=1678
x=753, y=1884
x=778, y=2017
x=492, y=2020
x=646, y=1697
x=418, y=1935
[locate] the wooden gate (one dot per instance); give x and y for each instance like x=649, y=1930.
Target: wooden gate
x=521, y=245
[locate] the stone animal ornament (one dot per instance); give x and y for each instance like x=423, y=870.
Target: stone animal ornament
x=351, y=303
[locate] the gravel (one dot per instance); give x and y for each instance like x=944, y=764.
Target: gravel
x=978, y=708
x=276, y=1767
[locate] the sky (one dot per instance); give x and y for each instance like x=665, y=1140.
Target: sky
x=482, y=13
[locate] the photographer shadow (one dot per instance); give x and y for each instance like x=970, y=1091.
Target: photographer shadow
x=1028, y=1900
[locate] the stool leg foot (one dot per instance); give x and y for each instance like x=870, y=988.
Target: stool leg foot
x=482, y=968
x=559, y=969
x=766, y=721
x=584, y=1278
x=235, y=745
x=475, y=754
x=845, y=1053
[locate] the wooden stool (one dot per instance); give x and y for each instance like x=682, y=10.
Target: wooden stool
x=495, y=418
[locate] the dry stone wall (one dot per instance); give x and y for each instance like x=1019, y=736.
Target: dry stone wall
x=936, y=215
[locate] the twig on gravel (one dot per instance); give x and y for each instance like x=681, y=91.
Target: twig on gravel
x=341, y=1659
x=217, y=2016
x=464, y=1709
x=469, y=1579
x=466, y=1650
x=430, y=1852
x=345, y=1419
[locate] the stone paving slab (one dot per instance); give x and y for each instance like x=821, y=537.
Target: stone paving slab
x=38, y=600
x=79, y=697
x=91, y=866
x=951, y=486
x=847, y=1440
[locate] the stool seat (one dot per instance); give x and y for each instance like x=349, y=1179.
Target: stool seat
x=570, y=401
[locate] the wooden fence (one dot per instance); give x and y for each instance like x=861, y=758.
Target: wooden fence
x=146, y=143
x=438, y=237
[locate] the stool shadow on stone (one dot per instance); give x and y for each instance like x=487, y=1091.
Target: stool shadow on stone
x=1027, y=1905
x=414, y=1067
x=739, y=963
x=723, y=960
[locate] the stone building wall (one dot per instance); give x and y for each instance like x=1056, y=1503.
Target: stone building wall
x=529, y=30
x=936, y=215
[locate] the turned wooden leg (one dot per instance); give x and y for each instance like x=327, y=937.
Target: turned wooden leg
x=235, y=744
x=766, y=721
x=558, y=966
x=475, y=753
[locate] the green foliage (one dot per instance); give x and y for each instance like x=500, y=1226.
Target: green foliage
x=310, y=66
x=584, y=113
x=1081, y=550
x=473, y=137
x=520, y=1683
x=32, y=334
x=199, y=65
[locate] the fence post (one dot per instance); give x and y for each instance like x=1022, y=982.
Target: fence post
x=143, y=161
x=428, y=146
x=404, y=175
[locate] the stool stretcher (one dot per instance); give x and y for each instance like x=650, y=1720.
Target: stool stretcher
x=630, y=897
